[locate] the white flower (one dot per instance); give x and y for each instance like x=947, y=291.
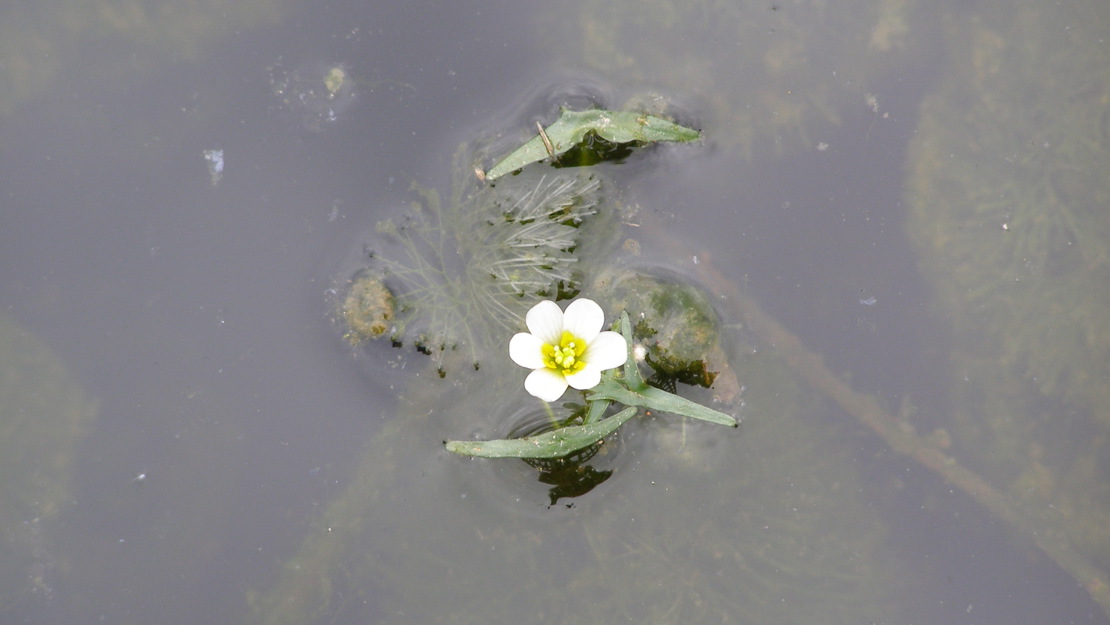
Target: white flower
x=566, y=348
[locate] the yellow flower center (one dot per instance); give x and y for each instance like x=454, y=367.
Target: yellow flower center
x=566, y=357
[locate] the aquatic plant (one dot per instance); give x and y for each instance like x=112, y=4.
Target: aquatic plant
x=466, y=272
x=591, y=425
x=518, y=241
x=46, y=413
x=1008, y=188
x=764, y=524
x=675, y=327
x=575, y=129
x=408, y=521
x=566, y=349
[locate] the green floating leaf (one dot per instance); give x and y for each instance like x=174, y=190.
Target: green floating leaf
x=657, y=399
x=554, y=444
x=572, y=127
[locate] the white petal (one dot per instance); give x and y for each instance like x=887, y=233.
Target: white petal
x=545, y=384
x=525, y=350
x=587, y=378
x=606, y=351
x=545, y=321
x=584, y=319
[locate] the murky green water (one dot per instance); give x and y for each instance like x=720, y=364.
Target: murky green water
x=911, y=192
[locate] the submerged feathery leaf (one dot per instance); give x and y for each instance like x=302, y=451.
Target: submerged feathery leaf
x=473, y=268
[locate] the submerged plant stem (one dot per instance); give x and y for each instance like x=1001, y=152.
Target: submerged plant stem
x=1045, y=527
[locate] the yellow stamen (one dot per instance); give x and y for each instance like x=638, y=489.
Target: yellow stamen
x=566, y=357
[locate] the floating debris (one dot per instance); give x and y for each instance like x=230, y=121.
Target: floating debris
x=315, y=94
x=215, y=159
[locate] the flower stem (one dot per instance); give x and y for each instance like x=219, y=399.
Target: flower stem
x=551, y=414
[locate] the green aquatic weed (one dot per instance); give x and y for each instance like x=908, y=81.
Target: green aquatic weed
x=1008, y=193
x=465, y=272
x=629, y=389
x=574, y=128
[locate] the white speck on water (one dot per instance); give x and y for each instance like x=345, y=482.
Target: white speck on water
x=872, y=101
x=215, y=158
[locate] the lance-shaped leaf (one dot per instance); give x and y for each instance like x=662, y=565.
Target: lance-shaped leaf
x=554, y=444
x=658, y=399
x=572, y=127
x=632, y=377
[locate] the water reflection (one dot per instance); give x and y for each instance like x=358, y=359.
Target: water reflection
x=291, y=477
x=571, y=476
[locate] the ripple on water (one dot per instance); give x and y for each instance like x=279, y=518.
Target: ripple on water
x=540, y=486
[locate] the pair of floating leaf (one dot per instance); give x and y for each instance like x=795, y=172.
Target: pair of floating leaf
x=573, y=127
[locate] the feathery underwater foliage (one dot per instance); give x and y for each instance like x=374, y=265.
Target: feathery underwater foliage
x=1009, y=192
x=470, y=270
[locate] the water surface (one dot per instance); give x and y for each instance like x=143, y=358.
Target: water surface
x=235, y=429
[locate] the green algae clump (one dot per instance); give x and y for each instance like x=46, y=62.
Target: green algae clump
x=368, y=309
x=674, y=325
